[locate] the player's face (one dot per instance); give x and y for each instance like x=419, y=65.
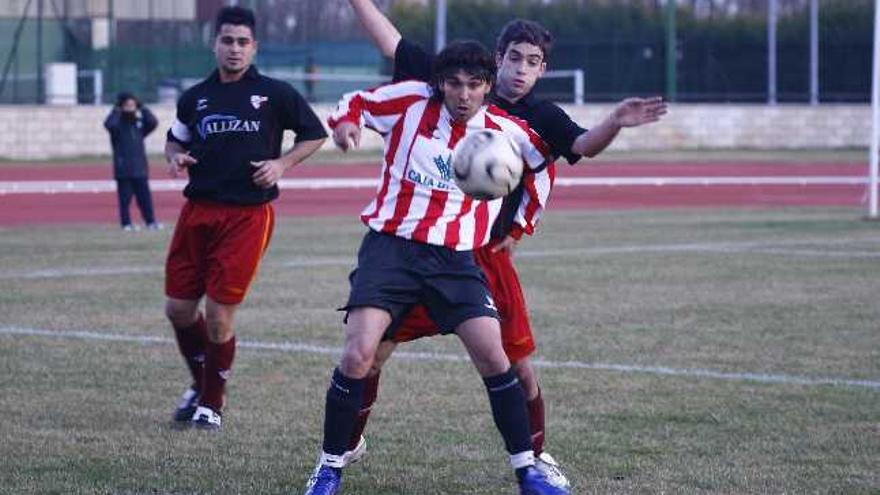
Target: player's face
x=234, y=48
x=463, y=95
x=519, y=70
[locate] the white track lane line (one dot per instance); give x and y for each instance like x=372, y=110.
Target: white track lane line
x=295, y=347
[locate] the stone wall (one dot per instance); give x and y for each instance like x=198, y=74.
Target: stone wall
x=41, y=132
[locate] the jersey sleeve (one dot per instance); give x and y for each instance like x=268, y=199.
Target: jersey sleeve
x=411, y=62
x=538, y=174
x=379, y=108
x=181, y=129
x=298, y=116
x=560, y=132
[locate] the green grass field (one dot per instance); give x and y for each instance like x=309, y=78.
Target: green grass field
x=789, y=295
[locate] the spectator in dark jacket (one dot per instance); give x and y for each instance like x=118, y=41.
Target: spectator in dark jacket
x=128, y=124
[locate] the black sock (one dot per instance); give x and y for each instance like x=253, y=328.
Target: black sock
x=344, y=399
x=509, y=411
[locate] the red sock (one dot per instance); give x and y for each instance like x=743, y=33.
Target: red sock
x=536, y=422
x=192, y=341
x=218, y=365
x=371, y=390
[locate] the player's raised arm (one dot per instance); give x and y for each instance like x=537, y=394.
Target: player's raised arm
x=379, y=109
x=631, y=112
x=378, y=26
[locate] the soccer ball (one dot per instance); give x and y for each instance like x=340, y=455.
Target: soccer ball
x=486, y=165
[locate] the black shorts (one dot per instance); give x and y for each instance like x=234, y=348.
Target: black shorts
x=395, y=274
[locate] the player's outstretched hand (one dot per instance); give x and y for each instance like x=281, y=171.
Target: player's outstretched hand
x=268, y=173
x=179, y=162
x=347, y=136
x=633, y=112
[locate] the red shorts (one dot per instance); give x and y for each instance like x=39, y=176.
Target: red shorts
x=216, y=250
x=516, y=332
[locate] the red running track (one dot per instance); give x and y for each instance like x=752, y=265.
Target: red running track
x=34, y=209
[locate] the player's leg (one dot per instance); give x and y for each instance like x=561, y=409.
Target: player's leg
x=460, y=300
x=144, y=201
x=414, y=325
x=237, y=244
x=382, y=288
x=123, y=192
x=516, y=331
x=519, y=344
x=363, y=332
x=357, y=445
x=219, y=356
x=184, y=287
x=191, y=333
x=545, y=463
x=482, y=339
x=525, y=371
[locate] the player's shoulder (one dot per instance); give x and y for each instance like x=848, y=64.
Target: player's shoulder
x=501, y=115
x=544, y=107
x=277, y=86
x=401, y=89
x=411, y=86
x=196, y=91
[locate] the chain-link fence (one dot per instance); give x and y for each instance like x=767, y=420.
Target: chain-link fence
x=154, y=48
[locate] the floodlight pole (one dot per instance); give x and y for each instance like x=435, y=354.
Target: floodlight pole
x=440, y=26
x=771, y=51
x=40, y=82
x=814, y=52
x=875, y=111
x=671, y=51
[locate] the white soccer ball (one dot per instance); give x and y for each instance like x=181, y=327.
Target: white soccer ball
x=486, y=164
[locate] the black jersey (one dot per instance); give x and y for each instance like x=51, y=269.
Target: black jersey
x=226, y=126
x=555, y=127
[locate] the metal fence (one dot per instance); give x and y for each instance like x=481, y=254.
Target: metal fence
x=623, y=56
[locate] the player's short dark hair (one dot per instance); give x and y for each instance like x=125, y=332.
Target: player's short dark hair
x=236, y=16
x=524, y=31
x=468, y=56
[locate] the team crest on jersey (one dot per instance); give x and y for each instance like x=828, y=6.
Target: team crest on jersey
x=257, y=101
x=444, y=166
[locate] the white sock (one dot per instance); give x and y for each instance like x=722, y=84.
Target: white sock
x=522, y=459
x=334, y=461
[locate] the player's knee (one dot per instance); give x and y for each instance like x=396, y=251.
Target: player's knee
x=492, y=364
x=219, y=330
x=356, y=362
x=527, y=377
x=180, y=316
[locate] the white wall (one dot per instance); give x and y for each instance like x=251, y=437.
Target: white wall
x=41, y=132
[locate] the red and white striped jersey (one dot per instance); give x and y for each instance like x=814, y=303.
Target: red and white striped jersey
x=417, y=197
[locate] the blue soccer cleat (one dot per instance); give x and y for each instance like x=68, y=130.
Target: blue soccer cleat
x=533, y=482
x=325, y=480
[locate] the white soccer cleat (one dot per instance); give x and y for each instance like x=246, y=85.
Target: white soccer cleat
x=206, y=418
x=551, y=470
x=356, y=454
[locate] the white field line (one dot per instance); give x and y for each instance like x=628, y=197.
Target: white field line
x=105, y=186
x=295, y=347
x=736, y=247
